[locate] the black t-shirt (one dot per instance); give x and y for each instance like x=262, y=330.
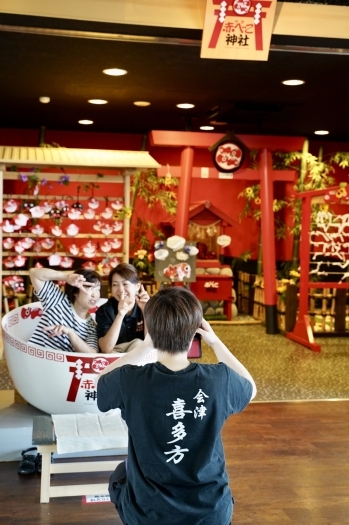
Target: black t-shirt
x=132, y=325
x=176, y=467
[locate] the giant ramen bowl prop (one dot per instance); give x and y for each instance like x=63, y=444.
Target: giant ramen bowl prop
x=53, y=381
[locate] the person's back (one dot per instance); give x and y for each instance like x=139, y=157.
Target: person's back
x=175, y=411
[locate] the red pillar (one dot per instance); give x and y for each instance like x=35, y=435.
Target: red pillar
x=184, y=187
x=268, y=242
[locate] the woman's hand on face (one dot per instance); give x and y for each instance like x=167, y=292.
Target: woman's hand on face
x=56, y=330
x=124, y=304
x=142, y=297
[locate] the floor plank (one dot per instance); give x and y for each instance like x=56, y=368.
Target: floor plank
x=287, y=463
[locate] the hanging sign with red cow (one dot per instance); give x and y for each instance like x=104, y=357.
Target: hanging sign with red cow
x=238, y=29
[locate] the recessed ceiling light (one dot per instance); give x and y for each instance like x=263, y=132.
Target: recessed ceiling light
x=185, y=106
x=206, y=128
x=115, y=72
x=86, y=122
x=293, y=82
x=321, y=132
x=44, y=100
x=97, y=101
x=141, y=103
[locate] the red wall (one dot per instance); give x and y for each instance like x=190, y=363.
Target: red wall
x=221, y=193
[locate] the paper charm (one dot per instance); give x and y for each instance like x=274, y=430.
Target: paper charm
x=20, y=261
x=74, y=250
x=37, y=212
x=21, y=219
x=115, y=243
x=93, y=203
x=106, y=247
x=89, y=265
x=19, y=248
x=54, y=259
x=9, y=262
x=37, y=229
x=74, y=214
x=48, y=243
x=66, y=262
x=117, y=226
x=107, y=230
x=8, y=243
x=72, y=230
x=8, y=227
x=98, y=226
x=223, y=240
x=56, y=231
x=10, y=206
x=114, y=261
x=89, y=213
x=107, y=213
x=117, y=205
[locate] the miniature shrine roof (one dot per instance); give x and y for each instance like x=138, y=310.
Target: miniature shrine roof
x=72, y=157
x=204, y=212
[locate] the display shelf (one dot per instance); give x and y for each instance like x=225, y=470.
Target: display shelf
x=63, y=254
x=65, y=236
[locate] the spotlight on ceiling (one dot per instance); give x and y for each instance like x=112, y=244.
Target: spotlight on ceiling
x=98, y=101
x=115, y=72
x=293, y=82
x=206, y=128
x=185, y=106
x=86, y=122
x=44, y=100
x=321, y=132
x=141, y=103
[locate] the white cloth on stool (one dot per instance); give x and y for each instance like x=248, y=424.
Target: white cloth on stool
x=80, y=432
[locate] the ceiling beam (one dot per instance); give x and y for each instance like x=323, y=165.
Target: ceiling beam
x=291, y=19
x=144, y=39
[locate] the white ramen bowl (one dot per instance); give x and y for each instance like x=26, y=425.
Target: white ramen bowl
x=53, y=381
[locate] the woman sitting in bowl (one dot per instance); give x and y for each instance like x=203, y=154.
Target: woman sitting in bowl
x=120, y=322
x=66, y=323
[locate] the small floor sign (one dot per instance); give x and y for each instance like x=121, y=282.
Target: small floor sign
x=105, y=498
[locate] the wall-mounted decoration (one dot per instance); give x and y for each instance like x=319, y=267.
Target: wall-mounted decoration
x=175, y=260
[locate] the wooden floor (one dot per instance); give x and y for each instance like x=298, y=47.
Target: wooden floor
x=288, y=464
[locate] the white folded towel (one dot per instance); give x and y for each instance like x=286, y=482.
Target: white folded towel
x=81, y=432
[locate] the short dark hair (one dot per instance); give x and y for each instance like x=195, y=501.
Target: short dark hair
x=90, y=276
x=126, y=271
x=172, y=317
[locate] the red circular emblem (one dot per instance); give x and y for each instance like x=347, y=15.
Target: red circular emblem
x=241, y=7
x=228, y=157
x=99, y=364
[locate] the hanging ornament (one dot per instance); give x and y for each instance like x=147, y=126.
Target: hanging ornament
x=77, y=205
x=168, y=177
x=10, y=206
x=224, y=240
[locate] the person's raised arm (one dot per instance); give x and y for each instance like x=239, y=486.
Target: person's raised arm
x=40, y=275
x=223, y=354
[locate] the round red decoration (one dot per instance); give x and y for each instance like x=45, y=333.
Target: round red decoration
x=228, y=157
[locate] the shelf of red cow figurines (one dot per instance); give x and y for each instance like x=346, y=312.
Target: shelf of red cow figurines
x=24, y=233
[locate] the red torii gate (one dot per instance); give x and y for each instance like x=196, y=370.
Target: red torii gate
x=189, y=140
